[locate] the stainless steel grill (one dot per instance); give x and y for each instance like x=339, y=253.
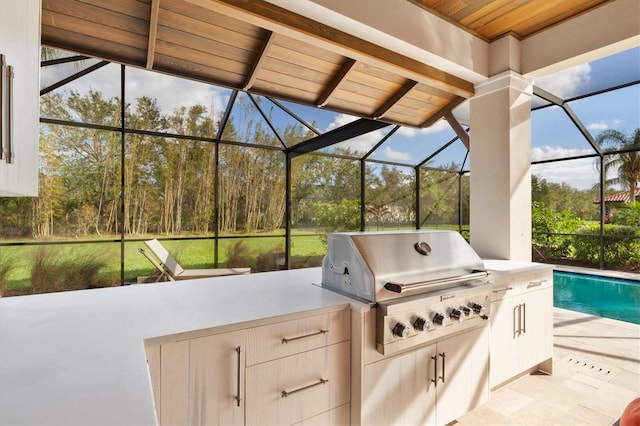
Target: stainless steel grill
x=425, y=284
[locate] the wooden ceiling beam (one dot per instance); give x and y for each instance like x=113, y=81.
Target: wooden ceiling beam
x=440, y=114
x=335, y=82
x=261, y=56
x=285, y=22
x=394, y=99
x=153, y=32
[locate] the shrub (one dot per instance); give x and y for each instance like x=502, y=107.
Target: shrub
x=620, y=248
x=237, y=255
x=629, y=214
x=545, y=223
x=271, y=261
x=7, y=264
x=52, y=271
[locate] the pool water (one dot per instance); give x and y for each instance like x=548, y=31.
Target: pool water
x=597, y=295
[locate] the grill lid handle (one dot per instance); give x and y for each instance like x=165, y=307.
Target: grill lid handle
x=400, y=287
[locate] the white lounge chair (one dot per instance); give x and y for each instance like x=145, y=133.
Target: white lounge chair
x=169, y=268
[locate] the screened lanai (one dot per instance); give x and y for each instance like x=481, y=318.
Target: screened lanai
x=234, y=175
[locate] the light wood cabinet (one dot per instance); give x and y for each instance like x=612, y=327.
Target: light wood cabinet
x=431, y=385
x=465, y=381
x=340, y=416
x=288, y=372
x=291, y=337
x=19, y=87
x=291, y=389
x=298, y=369
x=398, y=390
x=202, y=381
x=521, y=324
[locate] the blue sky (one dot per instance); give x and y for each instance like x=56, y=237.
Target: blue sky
x=553, y=134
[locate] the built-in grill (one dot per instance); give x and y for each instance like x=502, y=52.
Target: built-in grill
x=425, y=284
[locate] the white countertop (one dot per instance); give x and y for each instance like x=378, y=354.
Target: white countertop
x=78, y=357
x=499, y=266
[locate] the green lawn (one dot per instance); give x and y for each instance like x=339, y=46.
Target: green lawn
x=307, y=250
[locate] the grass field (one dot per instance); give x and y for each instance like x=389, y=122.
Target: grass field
x=254, y=252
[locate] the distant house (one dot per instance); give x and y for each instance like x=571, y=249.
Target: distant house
x=614, y=201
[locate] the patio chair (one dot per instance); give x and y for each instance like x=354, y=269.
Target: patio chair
x=170, y=269
x=160, y=274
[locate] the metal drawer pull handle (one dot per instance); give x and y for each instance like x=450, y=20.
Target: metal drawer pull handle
x=435, y=370
x=321, y=382
x=443, y=359
x=503, y=289
x=237, y=397
x=291, y=339
x=536, y=283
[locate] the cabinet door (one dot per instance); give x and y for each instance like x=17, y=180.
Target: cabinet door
x=216, y=377
x=504, y=359
x=536, y=341
x=464, y=368
x=174, y=384
x=398, y=390
x=20, y=45
x=201, y=381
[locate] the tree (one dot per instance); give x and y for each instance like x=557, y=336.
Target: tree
x=438, y=196
x=141, y=153
x=562, y=196
x=390, y=195
x=82, y=164
x=626, y=163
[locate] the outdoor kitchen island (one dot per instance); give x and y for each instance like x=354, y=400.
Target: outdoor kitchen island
x=81, y=357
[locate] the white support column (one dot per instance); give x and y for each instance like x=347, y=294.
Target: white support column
x=501, y=168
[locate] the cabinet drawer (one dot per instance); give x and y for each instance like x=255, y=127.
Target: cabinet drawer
x=521, y=283
x=291, y=337
x=298, y=387
x=502, y=286
x=532, y=281
x=340, y=416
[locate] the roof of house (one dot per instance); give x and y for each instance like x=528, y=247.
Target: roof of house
x=619, y=197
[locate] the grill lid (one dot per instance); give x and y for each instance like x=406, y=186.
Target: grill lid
x=383, y=265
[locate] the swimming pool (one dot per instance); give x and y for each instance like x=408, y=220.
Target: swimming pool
x=597, y=295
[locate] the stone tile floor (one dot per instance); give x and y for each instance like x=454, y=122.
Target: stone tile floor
x=596, y=373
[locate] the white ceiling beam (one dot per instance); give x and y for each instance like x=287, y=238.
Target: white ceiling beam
x=603, y=31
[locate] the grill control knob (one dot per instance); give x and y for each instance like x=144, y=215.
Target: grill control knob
x=478, y=309
x=439, y=319
x=465, y=310
x=420, y=324
x=400, y=330
x=455, y=314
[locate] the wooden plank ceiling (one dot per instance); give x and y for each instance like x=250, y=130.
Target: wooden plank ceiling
x=255, y=46
x=491, y=19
